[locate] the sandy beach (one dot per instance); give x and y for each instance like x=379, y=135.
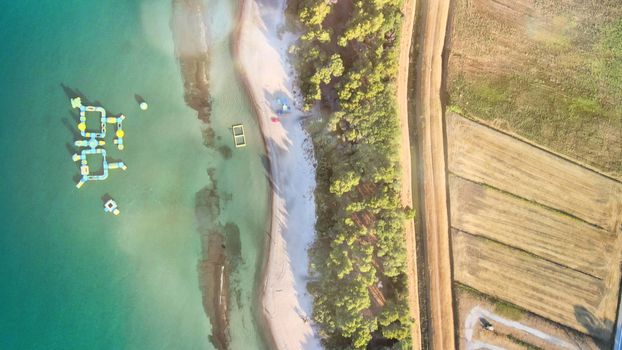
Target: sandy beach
x=261, y=52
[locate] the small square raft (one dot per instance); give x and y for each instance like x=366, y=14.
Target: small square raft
x=238, y=135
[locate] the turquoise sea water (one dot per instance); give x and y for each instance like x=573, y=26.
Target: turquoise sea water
x=72, y=276
x=242, y=180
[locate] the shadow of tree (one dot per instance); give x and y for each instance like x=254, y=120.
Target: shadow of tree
x=601, y=331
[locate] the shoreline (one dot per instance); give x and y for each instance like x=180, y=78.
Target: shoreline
x=266, y=332
x=295, y=329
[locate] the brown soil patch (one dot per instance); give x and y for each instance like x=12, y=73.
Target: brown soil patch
x=214, y=282
x=192, y=52
x=532, y=283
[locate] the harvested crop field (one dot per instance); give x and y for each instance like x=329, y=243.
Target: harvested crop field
x=550, y=71
x=486, y=212
x=484, y=155
x=544, y=287
x=534, y=229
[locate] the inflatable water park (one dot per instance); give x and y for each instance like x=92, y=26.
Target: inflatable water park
x=111, y=207
x=93, y=142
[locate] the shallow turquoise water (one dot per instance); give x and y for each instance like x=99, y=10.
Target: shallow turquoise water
x=74, y=277
x=242, y=179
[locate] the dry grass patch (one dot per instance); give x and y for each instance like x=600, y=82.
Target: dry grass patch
x=550, y=71
x=508, y=337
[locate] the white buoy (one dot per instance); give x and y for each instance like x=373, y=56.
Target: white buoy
x=144, y=106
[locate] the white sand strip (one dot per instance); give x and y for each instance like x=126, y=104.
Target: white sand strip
x=263, y=60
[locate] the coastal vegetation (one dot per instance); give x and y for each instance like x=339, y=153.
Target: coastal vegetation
x=347, y=64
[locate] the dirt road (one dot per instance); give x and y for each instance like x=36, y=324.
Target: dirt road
x=431, y=151
x=408, y=10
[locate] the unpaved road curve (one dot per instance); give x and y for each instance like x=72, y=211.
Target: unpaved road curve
x=477, y=312
x=431, y=151
x=408, y=22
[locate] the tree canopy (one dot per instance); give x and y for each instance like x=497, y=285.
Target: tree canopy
x=359, y=256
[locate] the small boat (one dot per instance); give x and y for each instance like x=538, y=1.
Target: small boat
x=111, y=207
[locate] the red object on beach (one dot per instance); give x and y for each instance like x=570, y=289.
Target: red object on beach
x=274, y=119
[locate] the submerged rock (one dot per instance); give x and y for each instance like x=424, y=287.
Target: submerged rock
x=214, y=283
x=191, y=49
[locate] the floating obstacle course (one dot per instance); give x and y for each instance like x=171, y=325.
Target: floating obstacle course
x=239, y=139
x=92, y=140
x=111, y=207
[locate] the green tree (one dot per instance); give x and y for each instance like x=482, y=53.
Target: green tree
x=360, y=224
x=344, y=183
